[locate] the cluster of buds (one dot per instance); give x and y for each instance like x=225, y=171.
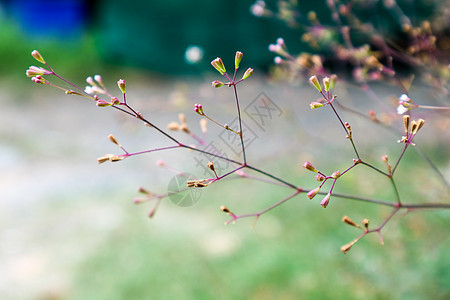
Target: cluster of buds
x=39, y=79
x=411, y=129
x=95, y=86
x=365, y=228
x=113, y=157
x=104, y=103
x=279, y=47
x=328, y=83
x=198, y=108
x=181, y=127
x=349, y=130
x=37, y=72
x=321, y=178
x=405, y=104
x=220, y=67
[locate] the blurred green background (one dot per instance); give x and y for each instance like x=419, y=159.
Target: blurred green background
x=69, y=229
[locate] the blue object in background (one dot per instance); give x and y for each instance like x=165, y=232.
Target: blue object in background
x=60, y=19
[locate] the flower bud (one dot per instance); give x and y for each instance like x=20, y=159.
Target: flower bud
x=326, y=200
x=237, y=59
x=348, y=221
x=308, y=166
x=280, y=41
x=312, y=193
x=333, y=81
x=98, y=78
x=198, y=108
x=218, y=65
x=37, y=56
x=406, y=119
x=225, y=209
x=113, y=139
x=121, y=85
x=420, y=124
x=211, y=166
x=326, y=83
x=347, y=247
x=314, y=105
x=33, y=71
x=103, y=103
x=115, y=101
x=320, y=177
x=336, y=174
x=247, y=73
x=90, y=80
x=366, y=223
x=314, y=81
x=217, y=84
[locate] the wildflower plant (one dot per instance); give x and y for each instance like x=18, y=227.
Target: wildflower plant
x=97, y=91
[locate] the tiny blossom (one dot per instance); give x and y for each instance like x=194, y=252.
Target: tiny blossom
x=280, y=41
x=115, y=101
x=98, y=78
x=217, y=83
x=311, y=194
x=315, y=105
x=33, y=71
x=38, y=79
x=314, y=81
x=247, y=73
x=325, y=200
x=326, y=83
x=237, y=59
x=278, y=60
x=121, y=85
x=336, y=174
x=275, y=48
x=401, y=109
x=308, y=166
x=404, y=98
x=198, y=108
x=103, y=103
x=93, y=90
x=218, y=65
x=320, y=177
x=257, y=9
x=90, y=80
x=37, y=56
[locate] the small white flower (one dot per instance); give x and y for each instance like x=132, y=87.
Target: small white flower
x=401, y=109
x=257, y=9
x=404, y=98
x=93, y=90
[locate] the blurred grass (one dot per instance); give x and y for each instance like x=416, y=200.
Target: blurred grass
x=292, y=253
